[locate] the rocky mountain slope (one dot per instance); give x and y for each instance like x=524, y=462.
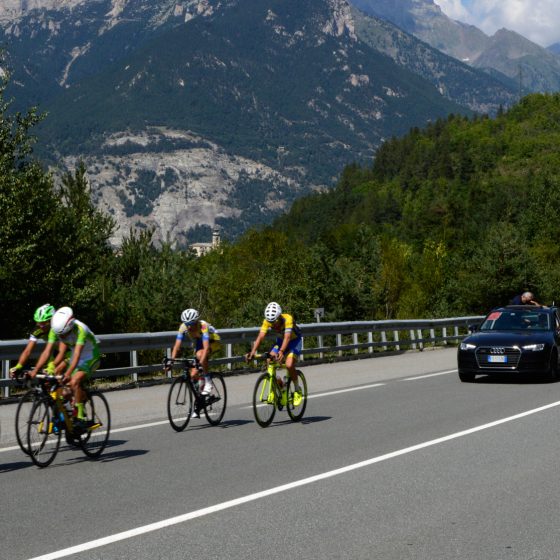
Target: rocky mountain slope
x=505, y=54
x=204, y=112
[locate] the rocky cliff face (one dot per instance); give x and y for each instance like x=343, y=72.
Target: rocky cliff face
x=205, y=112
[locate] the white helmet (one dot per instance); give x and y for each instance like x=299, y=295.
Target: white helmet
x=63, y=320
x=190, y=316
x=272, y=312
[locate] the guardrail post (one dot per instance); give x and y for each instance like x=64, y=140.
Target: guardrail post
x=444, y=335
x=370, y=342
x=134, y=363
x=320, y=343
x=420, y=336
x=355, y=341
x=302, y=357
x=433, y=336
x=229, y=354
x=339, y=342
x=413, y=339
x=456, y=331
x=384, y=339
x=396, y=339
x=168, y=355
x=6, y=375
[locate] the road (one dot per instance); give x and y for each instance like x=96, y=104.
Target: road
x=395, y=459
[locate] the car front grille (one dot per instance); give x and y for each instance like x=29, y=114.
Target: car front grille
x=485, y=354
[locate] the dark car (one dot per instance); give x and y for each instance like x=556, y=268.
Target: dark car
x=516, y=338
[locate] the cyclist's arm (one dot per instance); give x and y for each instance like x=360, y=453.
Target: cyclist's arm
x=176, y=348
x=24, y=356
x=61, y=354
x=284, y=345
x=205, y=352
x=74, y=361
x=256, y=345
x=43, y=359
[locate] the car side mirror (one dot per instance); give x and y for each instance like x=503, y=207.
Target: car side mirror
x=473, y=328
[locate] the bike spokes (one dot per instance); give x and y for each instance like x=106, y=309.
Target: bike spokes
x=297, y=397
x=264, y=400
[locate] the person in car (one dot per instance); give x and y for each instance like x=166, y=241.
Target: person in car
x=526, y=298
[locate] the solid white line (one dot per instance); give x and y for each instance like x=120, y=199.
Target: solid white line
x=283, y=488
x=328, y=394
x=430, y=375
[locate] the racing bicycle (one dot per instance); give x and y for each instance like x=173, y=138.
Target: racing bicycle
x=185, y=397
x=51, y=415
x=272, y=393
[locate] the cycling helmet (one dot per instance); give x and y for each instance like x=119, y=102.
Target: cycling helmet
x=272, y=312
x=190, y=316
x=43, y=313
x=63, y=321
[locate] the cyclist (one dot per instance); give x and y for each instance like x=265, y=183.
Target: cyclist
x=42, y=318
x=287, y=346
x=206, y=340
x=85, y=356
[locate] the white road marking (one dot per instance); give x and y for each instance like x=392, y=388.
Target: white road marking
x=337, y=392
x=429, y=375
x=277, y=490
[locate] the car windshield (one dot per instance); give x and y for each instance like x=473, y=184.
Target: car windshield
x=515, y=320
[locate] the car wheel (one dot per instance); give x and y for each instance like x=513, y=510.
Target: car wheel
x=466, y=377
x=552, y=374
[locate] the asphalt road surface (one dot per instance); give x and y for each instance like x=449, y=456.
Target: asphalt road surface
x=394, y=459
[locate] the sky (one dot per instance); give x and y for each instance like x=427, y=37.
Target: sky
x=538, y=20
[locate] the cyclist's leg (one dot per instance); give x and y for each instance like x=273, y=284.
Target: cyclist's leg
x=79, y=377
x=292, y=353
x=214, y=347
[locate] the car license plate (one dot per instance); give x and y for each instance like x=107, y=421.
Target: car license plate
x=497, y=359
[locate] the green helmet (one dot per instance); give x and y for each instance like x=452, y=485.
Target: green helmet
x=44, y=313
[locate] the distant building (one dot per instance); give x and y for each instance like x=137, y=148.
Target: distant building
x=203, y=248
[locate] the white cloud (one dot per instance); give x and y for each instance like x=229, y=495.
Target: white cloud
x=538, y=20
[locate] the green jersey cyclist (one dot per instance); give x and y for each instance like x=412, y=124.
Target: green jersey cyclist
x=42, y=318
x=288, y=344
x=70, y=333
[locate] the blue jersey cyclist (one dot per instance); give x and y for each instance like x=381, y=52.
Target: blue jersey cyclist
x=72, y=334
x=288, y=344
x=206, y=341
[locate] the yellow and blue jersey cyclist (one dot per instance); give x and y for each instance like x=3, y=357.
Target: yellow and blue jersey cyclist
x=206, y=341
x=287, y=346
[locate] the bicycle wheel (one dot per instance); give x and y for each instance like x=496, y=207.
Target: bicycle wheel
x=180, y=402
x=264, y=400
x=97, y=425
x=296, y=404
x=43, y=433
x=215, y=402
x=23, y=412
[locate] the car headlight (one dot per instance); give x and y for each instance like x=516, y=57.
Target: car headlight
x=467, y=346
x=534, y=347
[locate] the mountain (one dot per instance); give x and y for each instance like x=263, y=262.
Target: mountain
x=506, y=55
x=202, y=112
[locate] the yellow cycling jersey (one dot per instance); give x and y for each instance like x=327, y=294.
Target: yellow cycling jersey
x=286, y=324
x=203, y=331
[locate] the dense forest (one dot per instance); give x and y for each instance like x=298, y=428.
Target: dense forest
x=449, y=220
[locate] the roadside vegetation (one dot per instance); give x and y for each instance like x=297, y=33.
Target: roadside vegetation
x=449, y=220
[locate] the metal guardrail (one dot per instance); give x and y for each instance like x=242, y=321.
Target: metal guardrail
x=319, y=340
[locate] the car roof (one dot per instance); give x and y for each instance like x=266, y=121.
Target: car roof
x=546, y=309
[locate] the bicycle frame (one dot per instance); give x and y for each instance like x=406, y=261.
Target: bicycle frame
x=56, y=399
x=181, y=403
